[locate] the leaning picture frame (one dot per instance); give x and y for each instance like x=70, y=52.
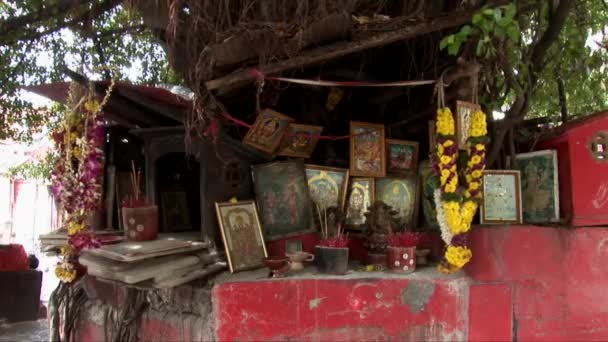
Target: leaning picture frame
x=539, y=185
x=283, y=199
x=299, y=140
x=367, y=150
x=267, y=131
x=361, y=196
x=402, y=156
x=327, y=185
x=402, y=194
x=242, y=235
x=501, y=203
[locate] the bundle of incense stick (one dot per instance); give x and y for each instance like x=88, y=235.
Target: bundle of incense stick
x=135, y=179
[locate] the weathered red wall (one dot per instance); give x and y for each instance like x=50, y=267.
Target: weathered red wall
x=398, y=308
x=553, y=279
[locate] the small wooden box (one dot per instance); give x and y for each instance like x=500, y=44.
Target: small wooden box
x=582, y=148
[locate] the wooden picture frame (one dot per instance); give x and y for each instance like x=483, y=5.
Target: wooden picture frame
x=501, y=202
x=283, y=199
x=367, y=150
x=539, y=185
x=402, y=194
x=327, y=185
x=267, y=131
x=361, y=196
x=299, y=140
x=242, y=235
x=397, y=159
x=464, y=110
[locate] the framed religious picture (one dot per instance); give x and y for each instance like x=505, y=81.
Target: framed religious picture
x=501, y=197
x=361, y=194
x=402, y=156
x=401, y=193
x=464, y=112
x=175, y=212
x=367, y=150
x=267, y=131
x=539, y=185
x=299, y=140
x=327, y=185
x=242, y=235
x=283, y=199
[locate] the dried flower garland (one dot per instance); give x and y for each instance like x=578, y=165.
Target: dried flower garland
x=77, y=177
x=456, y=206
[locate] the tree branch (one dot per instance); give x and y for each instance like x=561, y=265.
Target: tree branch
x=556, y=23
x=11, y=26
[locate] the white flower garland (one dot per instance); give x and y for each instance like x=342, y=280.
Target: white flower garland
x=446, y=234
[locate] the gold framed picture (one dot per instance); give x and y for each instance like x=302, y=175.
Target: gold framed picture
x=299, y=140
x=242, y=235
x=361, y=195
x=367, y=150
x=327, y=185
x=464, y=111
x=501, y=197
x=267, y=131
x=402, y=156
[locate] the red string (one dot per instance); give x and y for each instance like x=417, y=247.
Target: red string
x=315, y=136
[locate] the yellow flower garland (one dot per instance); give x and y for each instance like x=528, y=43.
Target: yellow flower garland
x=457, y=216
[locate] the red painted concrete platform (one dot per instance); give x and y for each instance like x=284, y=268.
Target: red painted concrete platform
x=524, y=283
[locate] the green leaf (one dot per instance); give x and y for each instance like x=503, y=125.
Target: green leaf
x=453, y=48
x=465, y=30
x=499, y=32
x=479, y=49
x=488, y=12
x=477, y=18
x=443, y=43
x=510, y=11
x=513, y=33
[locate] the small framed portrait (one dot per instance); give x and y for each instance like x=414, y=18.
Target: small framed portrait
x=267, y=131
x=464, y=112
x=401, y=193
x=327, y=185
x=361, y=195
x=539, y=185
x=299, y=140
x=402, y=156
x=501, y=197
x=367, y=150
x=175, y=212
x=242, y=235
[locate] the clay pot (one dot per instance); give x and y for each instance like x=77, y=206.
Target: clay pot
x=277, y=265
x=140, y=224
x=401, y=259
x=331, y=260
x=297, y=259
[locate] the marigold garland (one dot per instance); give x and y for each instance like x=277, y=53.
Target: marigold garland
x=77, y=177
x=456, y=205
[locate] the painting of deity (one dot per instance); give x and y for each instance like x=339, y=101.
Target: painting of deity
x=539, y=185
x=327, y=186
x=242, y=235
x=360, y=197
x=367, y=150
x=402, y=195
x=501, y=197
x=283, y=199
x=402, y=156
x=464, y=112
x=267, y=131
x=300, y=140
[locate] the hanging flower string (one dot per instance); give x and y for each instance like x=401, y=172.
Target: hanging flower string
x=77, y=177
x=456, y=206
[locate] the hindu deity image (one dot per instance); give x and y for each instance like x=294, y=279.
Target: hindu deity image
x=300, y=140
x=267, y=131
x=367, y=156
x=401, y=156
x=324, y=189
x=400, y=195
x=539, y=185
x=359, y=202
x=240, y=228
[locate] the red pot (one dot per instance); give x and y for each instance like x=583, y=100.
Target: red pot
x=140, y=224
x=401, y=259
